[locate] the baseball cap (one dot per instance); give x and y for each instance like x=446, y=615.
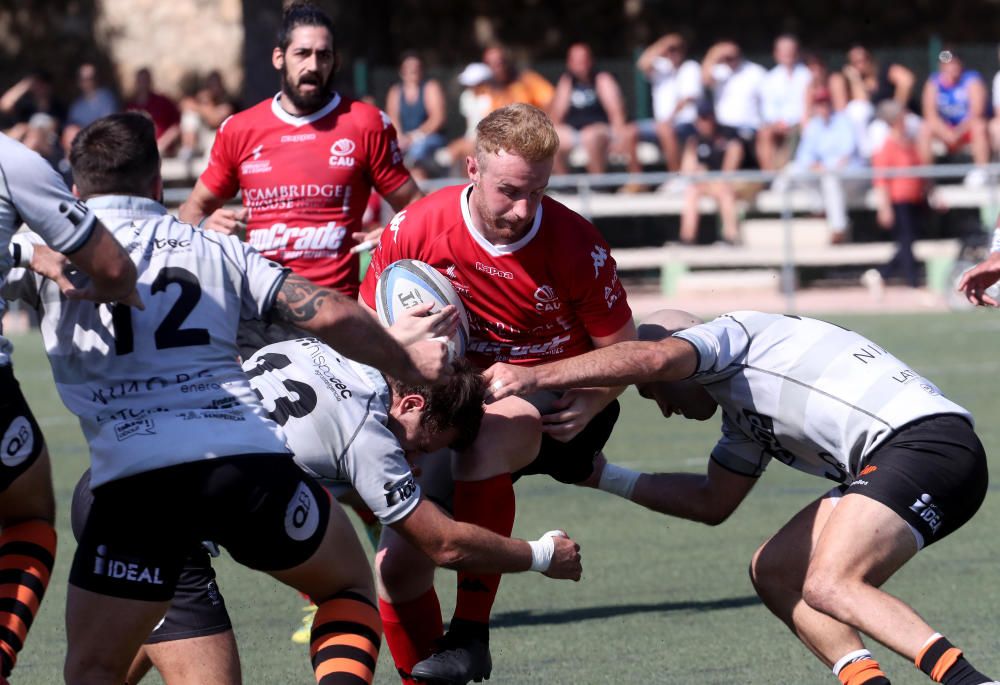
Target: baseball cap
x=474, y=74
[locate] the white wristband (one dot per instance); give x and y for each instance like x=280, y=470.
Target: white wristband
x=542, y=551
x=995, y=245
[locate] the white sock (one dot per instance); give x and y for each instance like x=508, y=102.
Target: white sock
x=850, y=658
x=618, y=480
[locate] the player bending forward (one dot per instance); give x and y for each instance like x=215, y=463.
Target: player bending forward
x=349, y=427
x=170, y=418
x=828, y=402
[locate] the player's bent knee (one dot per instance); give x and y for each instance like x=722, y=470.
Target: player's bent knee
x=827, y=593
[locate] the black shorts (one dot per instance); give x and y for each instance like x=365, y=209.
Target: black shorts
x=21, y=440
x=573, y=461
x=268, y=514
x=932, y=473
x=197, y=608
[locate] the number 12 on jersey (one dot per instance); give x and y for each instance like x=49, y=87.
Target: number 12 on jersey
x=169, y=333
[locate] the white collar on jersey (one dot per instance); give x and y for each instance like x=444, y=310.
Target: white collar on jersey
x=496, y=250
x=126, y=205
x=280, y=112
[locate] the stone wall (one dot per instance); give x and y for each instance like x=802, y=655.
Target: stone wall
x=173, y=38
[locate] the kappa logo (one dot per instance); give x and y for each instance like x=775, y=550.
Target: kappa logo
x=386, y=121
x=600, y=257
x=256, y=152
x=491, y=270
x=450, y=272
x=395, y=224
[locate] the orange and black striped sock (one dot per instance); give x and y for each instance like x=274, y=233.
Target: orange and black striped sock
x=346, y=636
x=860, y=668
x=27, y=551
x=944, y=663
x=490, y=504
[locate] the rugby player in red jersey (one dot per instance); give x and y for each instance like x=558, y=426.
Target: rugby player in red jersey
x=305, y=162
x=539, y=284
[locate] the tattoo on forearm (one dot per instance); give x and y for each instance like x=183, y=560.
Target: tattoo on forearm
x=299, y=299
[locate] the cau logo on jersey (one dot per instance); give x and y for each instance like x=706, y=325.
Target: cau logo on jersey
x=547, y=299
x=341, y=153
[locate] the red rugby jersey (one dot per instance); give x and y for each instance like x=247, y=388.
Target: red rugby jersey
x=537, y=300
x=306, y=181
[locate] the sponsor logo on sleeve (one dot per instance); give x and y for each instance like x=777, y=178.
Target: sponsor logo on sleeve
x=399, y=491
x=255, y=165
x=75, y=213
x=395, y=224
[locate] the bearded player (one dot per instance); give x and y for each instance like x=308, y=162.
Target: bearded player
x=539, y=284
x=305, y=162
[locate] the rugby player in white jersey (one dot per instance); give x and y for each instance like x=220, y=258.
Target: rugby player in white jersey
x=352, y=429
x=181, y=448
x=828, y=402
x=31, y=192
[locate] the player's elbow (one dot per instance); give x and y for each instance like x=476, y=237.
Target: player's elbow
x=715, y=517
x=447, y=553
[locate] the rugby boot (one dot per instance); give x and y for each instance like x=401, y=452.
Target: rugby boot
x=459, y=660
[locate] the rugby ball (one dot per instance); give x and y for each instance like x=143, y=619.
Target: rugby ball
x=406, y=283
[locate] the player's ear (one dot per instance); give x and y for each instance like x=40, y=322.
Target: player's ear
x=278, y=58
x=472, y=168
x=76, y=191
x=413, y=402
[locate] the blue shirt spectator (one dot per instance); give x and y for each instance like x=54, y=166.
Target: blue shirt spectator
x=828, y=141
x=94, y=101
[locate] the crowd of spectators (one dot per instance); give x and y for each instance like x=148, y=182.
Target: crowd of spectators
x=32, y=112
x=725, y=112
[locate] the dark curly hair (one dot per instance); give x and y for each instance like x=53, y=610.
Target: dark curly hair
x=455, y=404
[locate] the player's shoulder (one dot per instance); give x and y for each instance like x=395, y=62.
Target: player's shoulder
x=564, y=229
x=248, y=119
x=365, y=115
x=438, y=212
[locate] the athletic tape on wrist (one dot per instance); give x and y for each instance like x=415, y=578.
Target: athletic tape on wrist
x=542, y=551
x=618, y=480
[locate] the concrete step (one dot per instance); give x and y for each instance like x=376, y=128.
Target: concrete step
x=726, y=280
x=806, y=233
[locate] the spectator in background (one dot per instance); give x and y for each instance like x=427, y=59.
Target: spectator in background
x=41, y=135
x=828, y=144
x=782, y=104
x=418, y=110
x=675, y=87
x=161, y=109
x=474, y=103
x=588, y=110
x=203, y=113
x=93, y=102
x=509, y=85
x=900, y=200
x=31, y=95
x=821, y=78
x=954, y=109
x=706, y=150
x=736, y=86
x=869, y=84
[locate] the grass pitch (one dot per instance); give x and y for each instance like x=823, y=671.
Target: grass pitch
x=661, y=600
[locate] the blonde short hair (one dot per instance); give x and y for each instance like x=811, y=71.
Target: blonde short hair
x=517, y=129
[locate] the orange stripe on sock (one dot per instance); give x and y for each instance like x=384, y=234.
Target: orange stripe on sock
x=348, y=610
x=920, y=655
x=25, y=563
x=946, y=661
x=14, y=624
x=346, y=640
x=38, y=532
x=344, y=666
x=860, y=672
x=23, y=594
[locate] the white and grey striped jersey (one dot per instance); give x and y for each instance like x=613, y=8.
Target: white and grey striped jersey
x=813, y=395
x=161, y=386
x=32, y=192
x=334, y=412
